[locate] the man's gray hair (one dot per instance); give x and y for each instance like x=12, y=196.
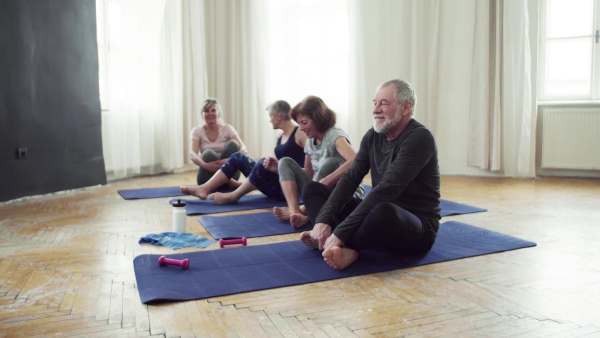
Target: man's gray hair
x=404, y=92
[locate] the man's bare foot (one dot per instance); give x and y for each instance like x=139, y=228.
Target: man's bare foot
x=282, y=213
x=340, y=258
x=298, y=220
x=196, y=190
x=308, y=241
x=222, y=198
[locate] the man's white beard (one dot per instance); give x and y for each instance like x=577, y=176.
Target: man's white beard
x=386, y=125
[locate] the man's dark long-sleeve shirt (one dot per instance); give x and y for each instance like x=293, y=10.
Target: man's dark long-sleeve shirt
x=404, y=171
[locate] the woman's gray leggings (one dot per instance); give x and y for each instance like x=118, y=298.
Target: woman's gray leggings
x=230, y=147
x=289, y=170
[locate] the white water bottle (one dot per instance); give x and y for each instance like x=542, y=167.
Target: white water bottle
x=179, y=217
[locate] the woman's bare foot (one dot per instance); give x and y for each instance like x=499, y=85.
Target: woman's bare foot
x=222, y=198
x=196, y=190
x=233, y=184
x=298, y=220
x=282, y=213
x=308, y=241
x=340, y=258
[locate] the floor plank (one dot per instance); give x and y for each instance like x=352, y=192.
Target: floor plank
x=66, y=270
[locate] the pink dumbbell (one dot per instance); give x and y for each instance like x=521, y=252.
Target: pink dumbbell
x=223, y=242
x=184, y=263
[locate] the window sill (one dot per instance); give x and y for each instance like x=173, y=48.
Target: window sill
x=570, y=103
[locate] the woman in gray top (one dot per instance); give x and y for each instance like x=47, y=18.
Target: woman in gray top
x=328, y=154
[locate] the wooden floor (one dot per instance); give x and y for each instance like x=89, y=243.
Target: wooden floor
x=66, y=270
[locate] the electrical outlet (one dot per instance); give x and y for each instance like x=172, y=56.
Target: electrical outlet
x=22, y=153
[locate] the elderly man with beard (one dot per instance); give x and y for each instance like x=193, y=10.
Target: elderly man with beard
x=402, y=212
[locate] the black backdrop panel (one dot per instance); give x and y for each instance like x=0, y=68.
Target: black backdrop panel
x=49, y=97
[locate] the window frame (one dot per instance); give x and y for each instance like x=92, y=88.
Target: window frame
x=594, y=94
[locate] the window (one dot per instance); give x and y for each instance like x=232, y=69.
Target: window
x=569, y=57
x=128, y=47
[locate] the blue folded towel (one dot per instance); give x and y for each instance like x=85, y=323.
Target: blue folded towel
x=176, y=241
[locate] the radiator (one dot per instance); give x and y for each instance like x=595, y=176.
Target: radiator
x=571, y=138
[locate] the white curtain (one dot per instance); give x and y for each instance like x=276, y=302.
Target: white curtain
x=256, y=52
x=194, y=63
x=395, y=39
x=469, y=61
x=518, y=98
x=501, y=111
x=164, y=56
x=235, y=40
x=308, y=53
x=143, y=125
x=485, y=124
x=470, y=66
x=169, y=136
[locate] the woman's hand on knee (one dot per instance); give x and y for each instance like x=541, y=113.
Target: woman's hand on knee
x=212, y=166
x=328, y=181
x=270, y=164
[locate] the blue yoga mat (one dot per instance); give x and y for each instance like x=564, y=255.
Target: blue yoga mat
x=197, y=206
x=250, y=202
x=449, y=208
x=265, y=224
x=248, y=225
x=242, y=269
x=247, y=202
x=144, y=193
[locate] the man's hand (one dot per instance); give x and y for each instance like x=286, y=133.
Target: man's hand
x=333, y=241
x=320, y=233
